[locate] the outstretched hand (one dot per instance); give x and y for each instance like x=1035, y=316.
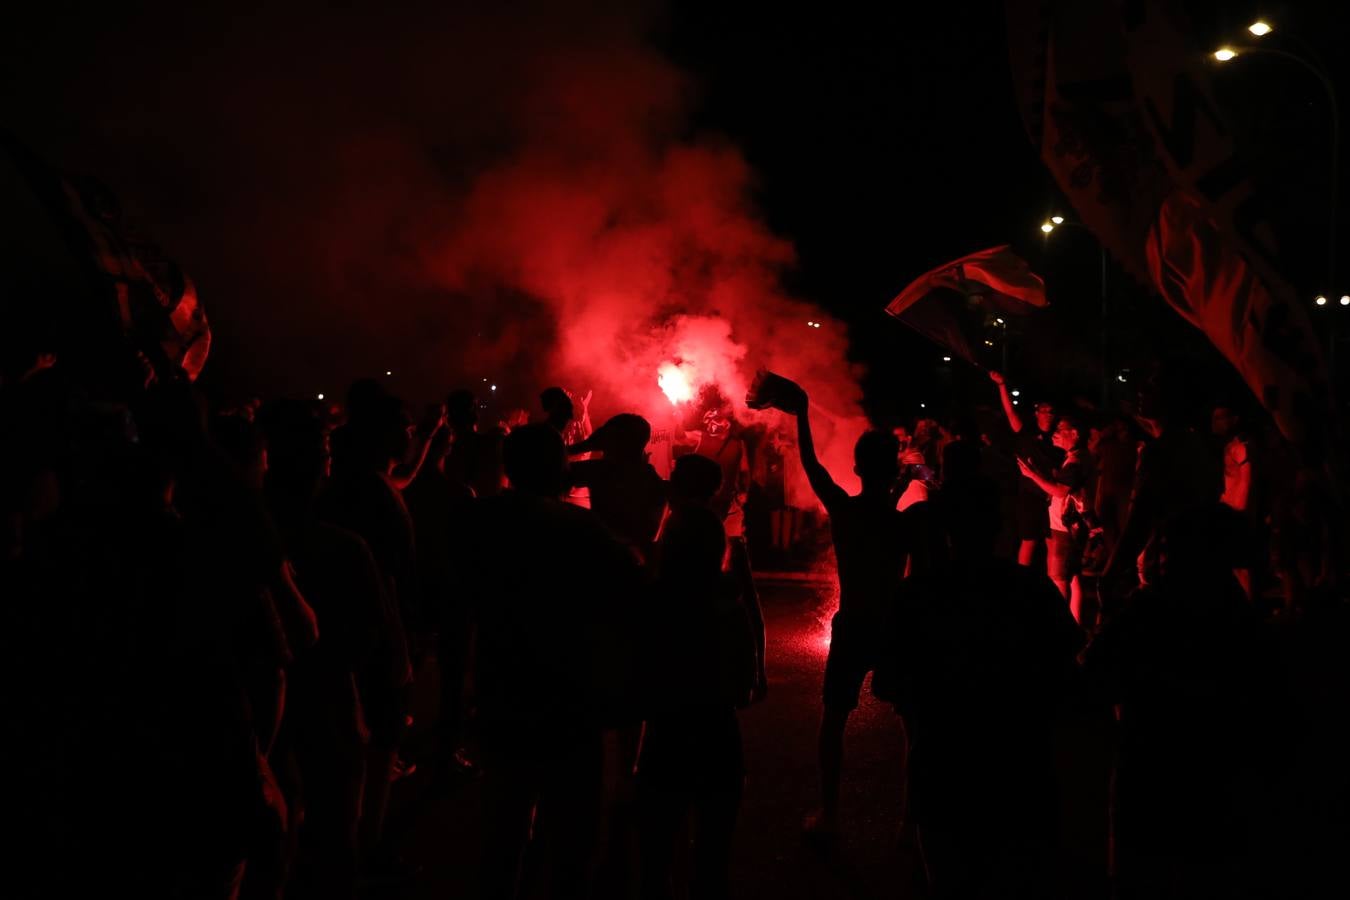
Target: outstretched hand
x=1025, y=467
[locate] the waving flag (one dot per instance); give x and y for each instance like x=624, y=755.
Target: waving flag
x=72, y=274
x=991, y=283
x=1121, y=111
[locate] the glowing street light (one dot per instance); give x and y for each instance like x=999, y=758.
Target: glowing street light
x=388, y=372
x=1016, y=393
x=1057, y=220
x=494, y=387
x=1260, y=28
x=1224, y=54
x=1047, y=227
x=321, y=396
x=1345, y=299
x=946, y=359
x=1320, y=301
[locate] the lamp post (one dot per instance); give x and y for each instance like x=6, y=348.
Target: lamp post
x=1047, y=228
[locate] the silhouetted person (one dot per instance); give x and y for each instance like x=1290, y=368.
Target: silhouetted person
x=625, y=492
x=549, y=669
x=720, y=440
x=559, y=411
x=474, y=459
x=699, y=654
x=1192, y=674
x=1033, y=525
x=362, y=498
x=442, y=511
x=979, y=658
x=1114, y=455
x=357, y=664
x=1066, y=489
x=1236, y=453
x=871, y=546
x=1175, y=474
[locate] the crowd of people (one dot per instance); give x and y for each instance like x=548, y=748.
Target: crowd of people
x=217, y=621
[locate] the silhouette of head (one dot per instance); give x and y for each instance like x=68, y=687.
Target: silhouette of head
x=1068, y=435
x=297, y=449
x=693, y=543
x=624, y=436
x=461, y=411
x=876, y=458
x=558, y=408
x=243, y=443
x=960, y=461
x=970, y=515
x=1224, y=420
x=1045, y=416
x=694, y=481
x=535, y=460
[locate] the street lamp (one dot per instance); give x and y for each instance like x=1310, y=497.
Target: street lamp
x=1313, y=63
x=1050, y=225
x=1320, y=301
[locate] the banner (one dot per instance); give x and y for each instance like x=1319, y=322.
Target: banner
x=991, y=282
x=1119, y=106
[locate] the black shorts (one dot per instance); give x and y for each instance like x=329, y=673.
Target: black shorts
x=1063, y=559
x=853, y=653
x=1033, y=514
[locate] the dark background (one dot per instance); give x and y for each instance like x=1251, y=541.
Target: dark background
x=884, y=141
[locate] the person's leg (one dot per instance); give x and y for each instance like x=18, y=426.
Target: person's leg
x=661, y=809
x=569, y=815
x=452, y=663
x=739, y=560
x=845, y=669
x=830, y=754
x=717, y=803
x=509, y=796
x=1076, y=598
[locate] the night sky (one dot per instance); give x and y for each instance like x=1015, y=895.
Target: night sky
x=881, y=141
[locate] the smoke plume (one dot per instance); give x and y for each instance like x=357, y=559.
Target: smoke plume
x=454, y=197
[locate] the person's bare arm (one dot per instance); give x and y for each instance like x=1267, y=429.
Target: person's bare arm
x=816, y=473
x=1009, y=409
x=1049, y=485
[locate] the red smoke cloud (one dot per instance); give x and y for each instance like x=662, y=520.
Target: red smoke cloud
x=504, y=195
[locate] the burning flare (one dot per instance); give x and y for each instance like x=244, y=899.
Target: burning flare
x=674, y=383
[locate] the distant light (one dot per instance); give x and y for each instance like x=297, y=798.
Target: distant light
x=1345, y=299
x=1017, y=393
x=999, y=321
x=1120, y=378
x=1320, y=301
x=921, y=406
x=1047, y=227
x=1224, y=54
x=387, y=372
x=1260, y=28
x=321, y=396
x=946, y=359
x=1015, y=402
x=484, y=381
x=989, y=343
x=1058, y=220
x=810, y=324
x=494, y=387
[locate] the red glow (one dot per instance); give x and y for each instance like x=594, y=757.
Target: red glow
x=674, y=383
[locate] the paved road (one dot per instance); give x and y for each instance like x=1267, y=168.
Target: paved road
x=873, y=859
